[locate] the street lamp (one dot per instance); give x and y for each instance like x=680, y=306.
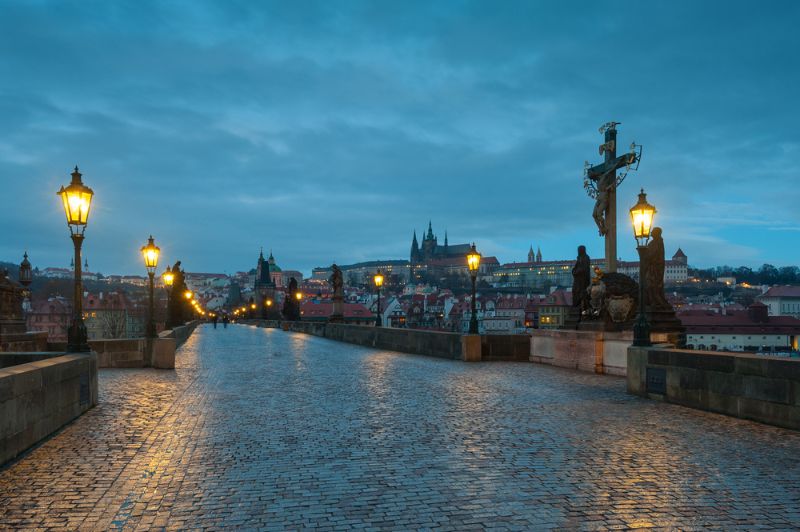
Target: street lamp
x=642, y=215
x=473, y=262
x=150, y=253
x=378, y=279
x=77, y=200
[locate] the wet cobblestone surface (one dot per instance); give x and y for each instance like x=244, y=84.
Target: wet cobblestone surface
x=261, y=429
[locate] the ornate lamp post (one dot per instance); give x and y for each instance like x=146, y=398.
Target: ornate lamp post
x=378, y=279
x=25, y=279
x=473, y=262
x=77, y=199
x=168, y=278
x=150, y=253
x=642, y=215
x=298, y=295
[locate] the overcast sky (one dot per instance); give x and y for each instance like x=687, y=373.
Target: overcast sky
x=329, y=131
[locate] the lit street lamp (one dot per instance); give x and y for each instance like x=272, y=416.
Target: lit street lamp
x=378, y=279
x=473, y=262
x=77, y=199
x=168, y=278
x=150, y=253
x=642, y=215
x=25, y=279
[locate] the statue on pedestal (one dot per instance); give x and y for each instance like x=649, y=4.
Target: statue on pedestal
x=581, y=277
x=291, y=307
x=654, y=264
x=337, y=283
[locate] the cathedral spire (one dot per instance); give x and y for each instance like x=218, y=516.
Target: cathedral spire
x=445, y=238
x=538, y=254
x=429, y=236
x=531, y=254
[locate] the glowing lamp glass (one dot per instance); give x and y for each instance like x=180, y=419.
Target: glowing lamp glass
x=188, y=294
x=150, y=253
x=298, y=295
x=168, y=277
x=642, y=216
x=473, y=259
x=77, y=200
x=378, y=278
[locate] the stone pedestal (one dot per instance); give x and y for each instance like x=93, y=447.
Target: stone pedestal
x=338, y=310
x=471, y=348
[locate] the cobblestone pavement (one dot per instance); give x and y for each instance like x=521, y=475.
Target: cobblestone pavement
x=265, y=429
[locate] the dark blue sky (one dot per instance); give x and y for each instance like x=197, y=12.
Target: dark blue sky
x=330, y=130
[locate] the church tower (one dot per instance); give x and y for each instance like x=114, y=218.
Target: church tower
x=531, y=255
x=415, y=257
x=429, y=244
x=538, y=254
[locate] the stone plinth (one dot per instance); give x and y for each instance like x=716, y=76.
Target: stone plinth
x=591, y=351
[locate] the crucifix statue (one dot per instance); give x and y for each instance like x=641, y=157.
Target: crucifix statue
x=601, y=183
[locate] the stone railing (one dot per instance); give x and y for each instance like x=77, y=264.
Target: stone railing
x=39, y=394
x=24, y=342
x=430, y=343
x=764, y=389
x=138, y=352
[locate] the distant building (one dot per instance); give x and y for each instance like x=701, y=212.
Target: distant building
x=749, y=330
x=52, y=316
x=539, y=274
x=434, y=259
x=354, y=313
x=554, y=309
x=782, y=301
x=263, y=285
x=361, y=273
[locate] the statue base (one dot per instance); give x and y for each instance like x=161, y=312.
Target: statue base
x=602, y=323
x=665, y=327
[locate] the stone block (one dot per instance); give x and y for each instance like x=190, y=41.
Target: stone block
x=783, y=369
x=26, y=381
x=722, y=403
x=164, y=353
x=636, y=370
x=766, y=389
x=746, y=365
x=658, y=357
x=724, y=383
x=471, y=348
x=692, y=379
x=704, y=361
x=767, y=412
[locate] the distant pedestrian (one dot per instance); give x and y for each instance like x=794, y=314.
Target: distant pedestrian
x=214, y=319
x=225, y=321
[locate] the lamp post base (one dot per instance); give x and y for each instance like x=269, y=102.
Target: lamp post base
x=77, y=338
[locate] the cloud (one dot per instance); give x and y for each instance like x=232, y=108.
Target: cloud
x=328, y=130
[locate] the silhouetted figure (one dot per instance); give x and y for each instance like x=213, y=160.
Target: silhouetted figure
x=654, y=273
x=581, y=279
x=214, y=319
x=225, y=320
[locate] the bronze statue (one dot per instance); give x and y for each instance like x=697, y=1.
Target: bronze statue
x=654, y=273
x=581, y=278
x=291, y=307
x=336, y=282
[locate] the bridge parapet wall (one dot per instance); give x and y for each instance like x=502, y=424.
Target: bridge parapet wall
x=40, y=393
x=760, y=388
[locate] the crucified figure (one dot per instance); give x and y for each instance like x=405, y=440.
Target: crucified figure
x=605, y=185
